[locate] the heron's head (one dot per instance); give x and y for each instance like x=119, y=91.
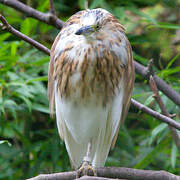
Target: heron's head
x=95, y=22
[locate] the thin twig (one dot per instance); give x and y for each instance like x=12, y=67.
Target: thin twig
x=114, y=172
x=8, y=27
x=164, y=111
x=155, y=114
x=47, y=18
x=140, y=69
x=52, y=11
x=149, y=69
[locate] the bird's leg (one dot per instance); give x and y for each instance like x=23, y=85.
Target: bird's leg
x=87, y=158
x=86, y=166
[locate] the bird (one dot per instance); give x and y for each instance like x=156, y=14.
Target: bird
x=90, y=83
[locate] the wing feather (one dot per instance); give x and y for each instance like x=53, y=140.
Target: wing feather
x=127, y=84
x=51, y=78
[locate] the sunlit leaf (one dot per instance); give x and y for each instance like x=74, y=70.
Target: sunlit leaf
x=5, y=141
x=4, y=36
x=164, y=25
x=149, y=100
x=156, y=131
x=40, y=108
x=172, y=61
x=25, y=26
x=42, y=78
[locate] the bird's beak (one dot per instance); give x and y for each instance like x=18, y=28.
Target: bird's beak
x=85, y=30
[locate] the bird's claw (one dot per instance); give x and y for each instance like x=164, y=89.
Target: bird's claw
x=86, y=169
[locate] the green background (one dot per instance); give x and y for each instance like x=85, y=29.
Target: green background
x=30, y=144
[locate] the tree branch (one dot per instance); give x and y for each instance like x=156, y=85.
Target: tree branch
x=9, y=28
x=52, y=20
x=164, y=111
x=155, y=114
x=113, y=172
x=96, y=178
x=6, y=26
x=46, y=18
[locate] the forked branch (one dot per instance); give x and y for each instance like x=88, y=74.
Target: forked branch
x=164, y=111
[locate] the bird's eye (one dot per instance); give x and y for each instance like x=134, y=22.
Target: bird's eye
x=97, y=27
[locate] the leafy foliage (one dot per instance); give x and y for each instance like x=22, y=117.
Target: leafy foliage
x=30, y=143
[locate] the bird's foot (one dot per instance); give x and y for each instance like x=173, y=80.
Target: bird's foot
x=86, y=169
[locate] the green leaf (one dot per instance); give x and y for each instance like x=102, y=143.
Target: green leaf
x=4, y=36
x=141, y=14
x=40, y=108
x=43, y=5
x=156, y=131
x=25, y=26
x=166, y=72
x=172, y=61
x=9, y=103
x=174, y=152
x=13, y=48
x=28, y=102
x=145, y=161
x=40, y=61
x=42, y=78
x=149, y=100
x=140, y=58
x=5, y=141
x=95, y=4
x=164, y=25
x=81, y=3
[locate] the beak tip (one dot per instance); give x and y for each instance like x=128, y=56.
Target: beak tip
x=77, y=33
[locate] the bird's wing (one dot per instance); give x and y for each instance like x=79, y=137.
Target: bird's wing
x=123, y=100
x=51, y=77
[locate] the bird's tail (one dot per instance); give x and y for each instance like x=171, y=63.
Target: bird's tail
x=100, y=147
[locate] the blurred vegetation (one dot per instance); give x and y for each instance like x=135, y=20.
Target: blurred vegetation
x=29, y=141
